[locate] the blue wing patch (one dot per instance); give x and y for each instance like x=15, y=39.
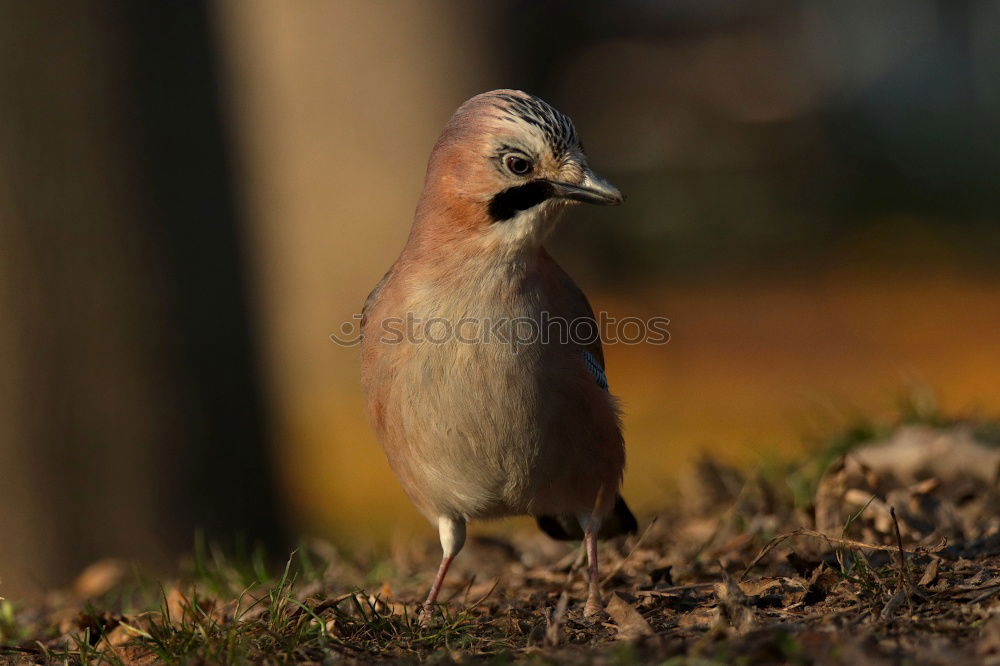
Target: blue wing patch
x=595, y=369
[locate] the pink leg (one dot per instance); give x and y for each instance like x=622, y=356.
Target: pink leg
x=452, y=532
x=594, y=604
x=436, y=587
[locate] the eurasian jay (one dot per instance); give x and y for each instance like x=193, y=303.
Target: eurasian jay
x=481, y=358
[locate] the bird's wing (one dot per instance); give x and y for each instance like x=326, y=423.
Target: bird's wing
x=595, y=369
x=620, y=520
x=578, y=308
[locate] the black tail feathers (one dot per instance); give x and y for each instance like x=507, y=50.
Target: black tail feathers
x=566, y=527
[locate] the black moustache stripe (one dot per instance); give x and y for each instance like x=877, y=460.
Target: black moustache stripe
x=513, y=200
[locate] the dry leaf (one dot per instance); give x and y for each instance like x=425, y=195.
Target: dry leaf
x=752, y=588
x=893, y=604
x=126, y=630
x=930, y=573
x=631, y=624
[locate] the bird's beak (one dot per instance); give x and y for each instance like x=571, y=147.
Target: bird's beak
x=593, y=189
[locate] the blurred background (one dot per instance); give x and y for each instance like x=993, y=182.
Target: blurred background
x=194, y=197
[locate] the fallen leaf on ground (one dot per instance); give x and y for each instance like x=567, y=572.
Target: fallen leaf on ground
x=631, y=623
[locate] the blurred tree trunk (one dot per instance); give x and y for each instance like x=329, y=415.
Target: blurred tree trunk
x=130, y=409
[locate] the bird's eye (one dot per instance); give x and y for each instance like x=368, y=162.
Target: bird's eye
x=518, y=165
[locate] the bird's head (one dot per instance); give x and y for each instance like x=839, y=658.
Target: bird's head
x=504, y=166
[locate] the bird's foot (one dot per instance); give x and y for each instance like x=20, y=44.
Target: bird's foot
x=426, y=615
x=594, y=607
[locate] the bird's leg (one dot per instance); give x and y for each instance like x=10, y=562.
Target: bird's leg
x=594, y=604
x=436, y=587
x=590, y=529
x=452, y=533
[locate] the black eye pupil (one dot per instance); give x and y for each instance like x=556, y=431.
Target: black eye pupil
x=518, y=165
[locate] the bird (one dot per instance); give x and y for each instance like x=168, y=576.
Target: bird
x=485, y=396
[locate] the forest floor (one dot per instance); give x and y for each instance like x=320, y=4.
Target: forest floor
x=882, y=548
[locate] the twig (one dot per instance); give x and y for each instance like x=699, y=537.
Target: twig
x=985, y=595
x=674, y=589
x=958, y=591
x=465, y=589
x=486, y=596
x=331, y=603
x=773, y=543
x=904, y=579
